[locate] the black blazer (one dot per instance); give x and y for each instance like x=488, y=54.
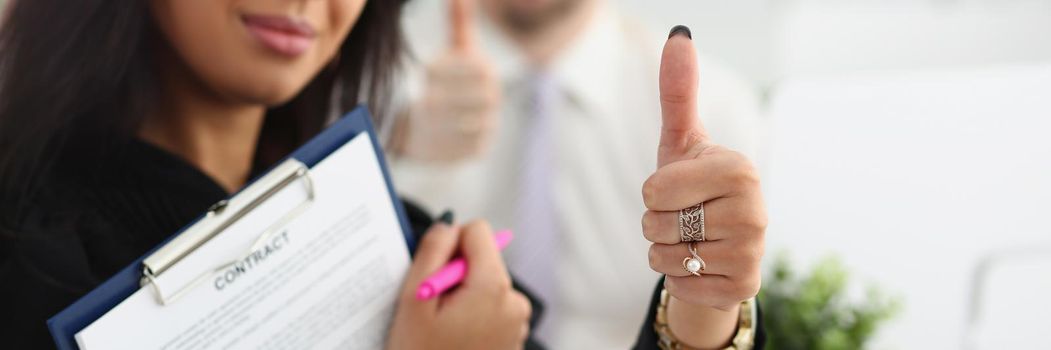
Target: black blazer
x=97, y=212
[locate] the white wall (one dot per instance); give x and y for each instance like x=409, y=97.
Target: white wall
x=915, y=179
x=738, y=32
x=768, y=40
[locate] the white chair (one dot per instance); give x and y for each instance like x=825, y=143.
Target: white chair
x=1010, y=301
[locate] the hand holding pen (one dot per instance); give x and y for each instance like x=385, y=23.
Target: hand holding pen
x=453, y=273
x=483, y=312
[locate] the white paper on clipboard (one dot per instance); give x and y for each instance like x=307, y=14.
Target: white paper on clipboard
x=329, y=278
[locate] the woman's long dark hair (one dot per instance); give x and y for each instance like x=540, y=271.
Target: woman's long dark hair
x=81, y=73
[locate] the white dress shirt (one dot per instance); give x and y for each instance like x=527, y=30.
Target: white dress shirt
x=606, y=129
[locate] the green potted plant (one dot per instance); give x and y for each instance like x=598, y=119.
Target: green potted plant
x=814, y=312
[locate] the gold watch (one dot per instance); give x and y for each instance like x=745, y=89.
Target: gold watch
x=744, y=339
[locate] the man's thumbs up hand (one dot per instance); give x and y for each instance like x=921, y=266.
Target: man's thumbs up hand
x=461, y=20
x=456, y=116
x=691, y=170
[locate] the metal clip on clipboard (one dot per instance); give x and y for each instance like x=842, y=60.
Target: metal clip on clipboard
x=220, y=217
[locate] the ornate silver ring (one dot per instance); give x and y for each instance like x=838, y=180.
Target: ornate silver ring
x=691, y=223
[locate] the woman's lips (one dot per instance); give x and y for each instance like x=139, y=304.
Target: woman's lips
x=283, y=35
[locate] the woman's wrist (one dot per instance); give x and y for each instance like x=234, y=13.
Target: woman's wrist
x=701, y=326
x=684, y=326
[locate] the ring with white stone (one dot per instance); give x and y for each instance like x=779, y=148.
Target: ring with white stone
x=693, y=264
x=691, y=223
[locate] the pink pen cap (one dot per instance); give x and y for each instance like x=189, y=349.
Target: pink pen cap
x=454, y=271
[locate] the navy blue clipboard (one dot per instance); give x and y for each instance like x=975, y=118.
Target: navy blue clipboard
x=109, y=294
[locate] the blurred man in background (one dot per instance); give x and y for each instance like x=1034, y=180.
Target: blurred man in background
x=533, y=111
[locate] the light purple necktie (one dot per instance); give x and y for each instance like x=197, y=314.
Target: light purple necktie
x=537, y=237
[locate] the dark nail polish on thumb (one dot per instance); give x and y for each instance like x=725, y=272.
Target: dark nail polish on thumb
x=446, y=217
x=680, y=29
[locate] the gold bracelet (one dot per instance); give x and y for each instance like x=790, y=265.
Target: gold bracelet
x=744, y=339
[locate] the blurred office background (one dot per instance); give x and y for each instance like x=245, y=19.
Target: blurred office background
x=911, y=139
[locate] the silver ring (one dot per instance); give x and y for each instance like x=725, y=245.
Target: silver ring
x=693, y=264
x=691, y=223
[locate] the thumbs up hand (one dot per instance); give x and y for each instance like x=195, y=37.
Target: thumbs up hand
x=456, y=116
x=691, y=169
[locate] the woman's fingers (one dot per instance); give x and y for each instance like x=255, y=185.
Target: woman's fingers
x=690, y=170
x=487, y=291
x=714, y=174
x=522, y=310
x=713, y=290
x=484, y=309
x=436, y=247
x=485, y=267
x=724, y=257
x=723, y=218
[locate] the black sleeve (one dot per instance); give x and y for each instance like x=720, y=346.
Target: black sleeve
x=648, y=336
x=420, y=220
x=39, y=276
x=26, y=302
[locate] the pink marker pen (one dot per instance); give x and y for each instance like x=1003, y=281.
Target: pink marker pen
x=454, y=272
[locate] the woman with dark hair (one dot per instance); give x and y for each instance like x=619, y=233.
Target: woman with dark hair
x=122, y=120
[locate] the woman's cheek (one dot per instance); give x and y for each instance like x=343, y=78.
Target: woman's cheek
x=213, y=43
x=343, y=14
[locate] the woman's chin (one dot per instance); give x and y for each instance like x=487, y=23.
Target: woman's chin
x=260, y=80
x=278, y=100
x=272, y=97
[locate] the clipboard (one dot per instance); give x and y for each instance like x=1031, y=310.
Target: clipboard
x=292, y=171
